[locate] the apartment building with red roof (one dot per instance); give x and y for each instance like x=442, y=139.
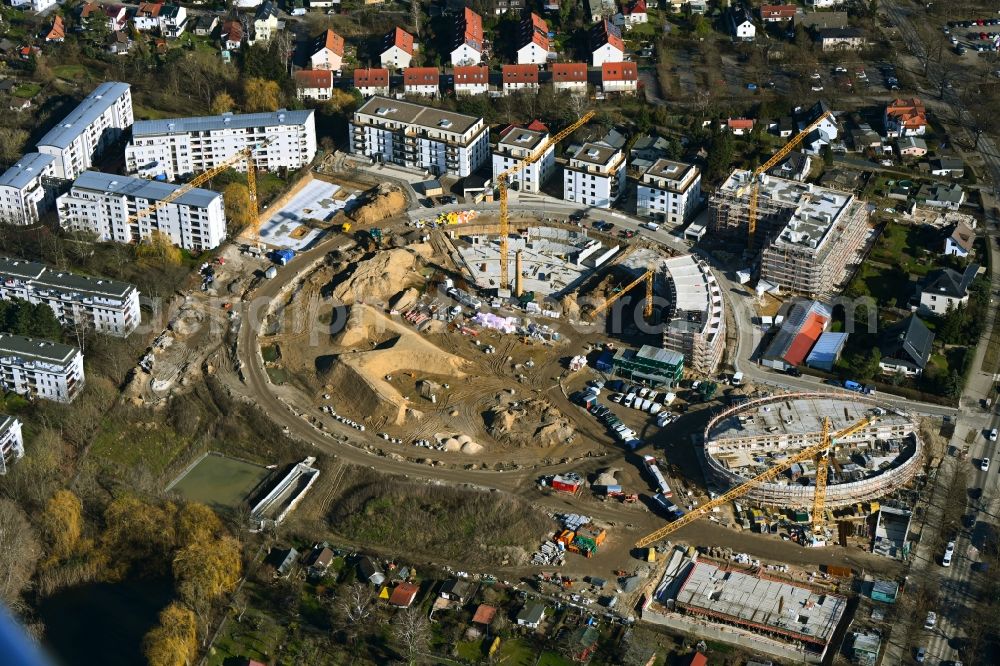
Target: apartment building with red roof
x=619, y=77
x=472, y=80
x=397, y=49
x=468, y=48
x=373, y=81
x=534, y=49
x=327, y=51
x=519, y=77
x=314, y=84
x=421, y=81
x=607, y=44
x=569, y=76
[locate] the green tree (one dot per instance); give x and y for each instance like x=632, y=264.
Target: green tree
x=868, y=364
x=237, y=201
x=720, y=155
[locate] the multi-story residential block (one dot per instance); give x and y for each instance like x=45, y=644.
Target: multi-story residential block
x=11, y=442
x=327, y=51
x=595, y=176
x=472, y=80
x=534, y=48
x=468, y=48
x=570, y=76
x=620, y=77
x=419, y=137
x=696, y=318
x=94, y=125
x=107, y=306
x=504, y=6
x=104, y=204
x=518, y=143
x=314, y=84
x=175, y=147
x=905, y=117
x=372, y=81
x=519, y=77
x=669, y=192
x=23, y=194
x=40, y=368
x=422, y=81
x=397, y=49
x=606, y=42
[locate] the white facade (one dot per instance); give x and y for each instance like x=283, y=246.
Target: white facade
x=464, y=54
x=395, y=57
x=531, y=54
x=11, y=442
x=607, y=53
x=107, y=306
x=96, y=123
x=104, y=203
x=744, y=29
x=824, y=4
x=669, y=192
x=23, y=198
x=175, y=147
x=328, y=51
x=39, y=368
x=937, y=303
x=515, y=146
x=265, y=23
x=595, y=176
x=33, y=5
x=314, y=84
x=419, y=137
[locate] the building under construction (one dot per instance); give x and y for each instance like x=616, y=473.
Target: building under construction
x=745, y=440
x=810, y=238
x=696, y=319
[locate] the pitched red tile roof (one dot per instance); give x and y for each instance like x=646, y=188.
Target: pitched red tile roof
x=400, y=38
x=699, y=659
x=232, y=31
x=149, y=9
x=537, y=31
x=619, y=71
x=329, y=40
x=58, y=30
x=421, y=76
x=403, y=594
x=484, y=614
x=472, y=29
x=314, y=78
x=473, y=74
x=910, y=113
x=537, y=126
x=371, y=78
x=777, y=11
x=569, y=72
x=520, y=73
x=637, y=7
x=740, y=123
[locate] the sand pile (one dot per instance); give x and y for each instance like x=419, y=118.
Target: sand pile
x=381, y=202
x=404, y=299
x=458, y=443
x=607, y=477
x=530, y=423
x=378, y=278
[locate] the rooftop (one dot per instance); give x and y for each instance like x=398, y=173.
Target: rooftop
x=151, y=190
x=566, y=72
x=86, y=112
x=417, y=114
x=26, y=169
x=143, y=128
x=525, y=139
x=595, y=153
x=32, y=349
x=677, y=172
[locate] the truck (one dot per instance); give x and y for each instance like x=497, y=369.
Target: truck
x=654, y=471
x=666, y=508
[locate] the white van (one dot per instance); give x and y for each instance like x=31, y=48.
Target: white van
x=652, y=226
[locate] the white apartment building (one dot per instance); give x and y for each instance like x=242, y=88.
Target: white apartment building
x=175, y=147
x=314, y=84
x=517, y=143
x=104, y=204
x=40, y=368
x=595, y=176
x=11, y=441
x=107, y=306
x=419, y=137
x=96, y=123
x=468, y=48
x=696, y=319
x=397, y=49
x=327, y=51
x=472, y=80
x=669, y=192
x=607, y=43
x=23, y=197
x=372, y=81
x=534, y=48
x=37, y=6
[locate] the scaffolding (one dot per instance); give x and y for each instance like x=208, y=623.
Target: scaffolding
x=696, y=318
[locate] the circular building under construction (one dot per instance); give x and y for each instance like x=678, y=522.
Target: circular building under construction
x=747, y=439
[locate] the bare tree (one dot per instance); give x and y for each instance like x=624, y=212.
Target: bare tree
x=356, y=608
x=19, y=552
x=412, y=631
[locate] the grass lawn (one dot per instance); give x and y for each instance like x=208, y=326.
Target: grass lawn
x=470, y=650
x=71, y=71
x=238, y=640
x=127, y=445
x=148, y=113
x=515, y=652
x=887, y=284
x=553, y=659
x=27, y=90
x=907, y=246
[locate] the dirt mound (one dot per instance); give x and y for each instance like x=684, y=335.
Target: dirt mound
x=530, y=423
x=462, y=443
x=381, y=202
x=405, y=299
x=378, y=278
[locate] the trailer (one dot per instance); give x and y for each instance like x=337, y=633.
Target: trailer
x=654, y=471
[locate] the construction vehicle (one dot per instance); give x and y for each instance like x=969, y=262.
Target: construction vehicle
x=502, y=180
x=647, y=308
x=376, y=235
x=234, y=159
x=760, y=172
x=820, y=449
x=345, y=227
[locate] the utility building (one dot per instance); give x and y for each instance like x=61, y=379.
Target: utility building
x=40, y=368
x=649, y=364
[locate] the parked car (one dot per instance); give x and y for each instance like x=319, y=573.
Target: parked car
x=931, y=620
x=949, y=551
x=993, y=435
x=985, y=464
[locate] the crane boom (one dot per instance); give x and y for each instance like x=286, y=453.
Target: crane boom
x=819, y=499
x=747, y=486
x=647, y=309
x=766, y=166
x=502, y=185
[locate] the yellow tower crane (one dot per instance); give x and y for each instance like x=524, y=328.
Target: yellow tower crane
x=205, y=176
x=647, y=309
x=502, y=184
x=819, y=499
x=766, y=166
x=747, y=486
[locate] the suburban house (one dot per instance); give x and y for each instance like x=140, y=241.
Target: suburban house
x=532, y=615
x=231, y=35
x=460, y=590
x=840, y=39
x=265, y=22
x=371, y=572
x=327, y=51
x=116, y=16
x=119, y=43
x=205, y=25
x=57, y=33
x=905, y=117
x=534, y=49
x=741, y=25
x=320, y=560
x=619, y=77
x=397, y=49
x=283, y=560
x=824, y=4
x=36, y=6
x=911, y=146
x=421, y=81
x=948, y=166
x=823, y=134
x=941, y=196
x=739, y=126
x=468, y=39
x=794, y=167
x=594, y=176
x=372, y=81
x=314, y=84
x=819, y=20
x=804, y=324
x=646, y=150
x=472, y=80
x=519, y=77
x=599, y=9
x=960, y=241
x=403, y=595
x=945, y=289
x=173, y=21
x=606, y=42
x=635, y=13
x=484, y=615
x=569, y=76
x=668, y=192
x=518, y=143
x=777, y=13
x=905, y=347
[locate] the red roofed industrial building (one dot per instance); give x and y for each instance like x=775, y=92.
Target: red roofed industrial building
x=472, y=80
x=519, y=77
x=571, y=76
x=372, y=81
x=619, y=77
x=802, y=327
